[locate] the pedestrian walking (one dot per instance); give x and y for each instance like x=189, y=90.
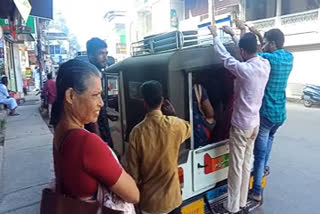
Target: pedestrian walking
x=49, y=90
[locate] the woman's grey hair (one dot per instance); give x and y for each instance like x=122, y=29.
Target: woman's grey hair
x=72, y=74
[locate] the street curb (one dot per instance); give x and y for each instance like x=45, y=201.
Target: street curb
x=1, y=165
x=3, y=121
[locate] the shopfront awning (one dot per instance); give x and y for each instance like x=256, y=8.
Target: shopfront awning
x=6, y=8
x=40, y=8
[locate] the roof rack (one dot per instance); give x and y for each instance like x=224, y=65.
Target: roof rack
x=172, y=41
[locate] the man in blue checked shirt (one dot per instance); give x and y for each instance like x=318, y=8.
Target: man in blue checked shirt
x=273, y=109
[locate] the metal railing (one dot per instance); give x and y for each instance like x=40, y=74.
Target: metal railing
x=171, y=41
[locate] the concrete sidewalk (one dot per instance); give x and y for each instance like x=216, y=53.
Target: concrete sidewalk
x=27, y=161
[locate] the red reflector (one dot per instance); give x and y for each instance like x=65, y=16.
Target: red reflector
x=181, y=176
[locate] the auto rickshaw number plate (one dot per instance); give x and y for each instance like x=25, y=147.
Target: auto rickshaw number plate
x=196, y=207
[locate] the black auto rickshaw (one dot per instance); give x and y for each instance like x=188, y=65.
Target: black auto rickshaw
x=174, y=59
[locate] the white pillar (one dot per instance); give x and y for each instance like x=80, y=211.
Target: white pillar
x=17, y=64
x=242, y=10
x=279, y=7
x=278, y=12
x=211, y=11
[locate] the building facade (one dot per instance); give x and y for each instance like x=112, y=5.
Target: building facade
x=155, y=16
x=300, y=22
x=117, y=24
x=19, y=27
x=298, y=19
x=158, y=16
x=57, y=46
x=14, y=59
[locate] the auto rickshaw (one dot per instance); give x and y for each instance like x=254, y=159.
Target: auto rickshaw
x=174, y=59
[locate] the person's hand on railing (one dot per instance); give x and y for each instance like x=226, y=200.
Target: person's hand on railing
x=240, y=24
x=213, y=30
x=253, y=30
x=258, y=34
x=228, y=30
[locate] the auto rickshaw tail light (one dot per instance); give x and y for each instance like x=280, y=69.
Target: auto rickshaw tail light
x=181, y=175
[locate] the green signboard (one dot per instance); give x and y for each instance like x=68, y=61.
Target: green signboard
x=27, y=27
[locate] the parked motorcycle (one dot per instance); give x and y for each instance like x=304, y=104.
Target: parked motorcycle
x=311, y=95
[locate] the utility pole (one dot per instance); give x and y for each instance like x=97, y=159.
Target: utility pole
x=39, y=56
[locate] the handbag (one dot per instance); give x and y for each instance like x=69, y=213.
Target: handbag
x=54, y=202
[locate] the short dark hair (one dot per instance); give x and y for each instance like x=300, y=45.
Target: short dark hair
x=94, y=44
x=49, y=76
x=4, y=80
x=152, y=93
x=249, y=43
x=276, y=36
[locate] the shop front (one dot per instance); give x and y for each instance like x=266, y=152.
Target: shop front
x=15, y=53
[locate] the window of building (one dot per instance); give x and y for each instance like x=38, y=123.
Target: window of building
x=296, y=6
x=261, y=9
x=51, y=49
x=57, y=49
x=63, y=51
x=196, y=8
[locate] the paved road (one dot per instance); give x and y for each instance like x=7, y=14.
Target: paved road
x=293, y=186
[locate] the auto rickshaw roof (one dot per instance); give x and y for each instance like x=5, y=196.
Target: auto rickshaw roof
x=188, y=60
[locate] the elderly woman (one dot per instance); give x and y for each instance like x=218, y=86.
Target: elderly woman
x=82, y=160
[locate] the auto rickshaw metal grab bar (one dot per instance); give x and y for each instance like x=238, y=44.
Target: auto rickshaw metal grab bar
x=170, y=41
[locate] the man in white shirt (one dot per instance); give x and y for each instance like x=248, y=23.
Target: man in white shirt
x=251, y=77
x=6, y=99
